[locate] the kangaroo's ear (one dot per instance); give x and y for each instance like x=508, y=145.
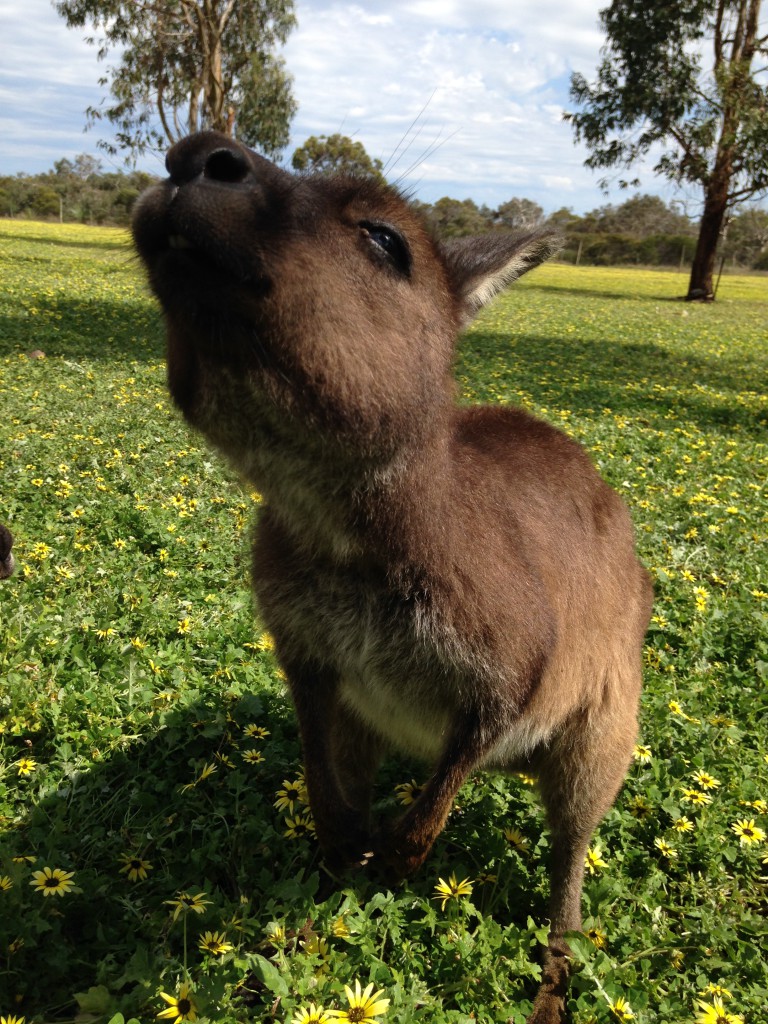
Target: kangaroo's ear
x=480, y=267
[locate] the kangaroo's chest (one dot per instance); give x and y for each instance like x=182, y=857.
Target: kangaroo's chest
x=392, y=654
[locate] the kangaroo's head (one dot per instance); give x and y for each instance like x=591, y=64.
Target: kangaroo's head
x=309, y=312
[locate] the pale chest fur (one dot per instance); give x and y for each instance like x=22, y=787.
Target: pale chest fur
x=403, y=668
x=388, y=651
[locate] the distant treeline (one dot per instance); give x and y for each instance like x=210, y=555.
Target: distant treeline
x=75, y=191
x=641, y=230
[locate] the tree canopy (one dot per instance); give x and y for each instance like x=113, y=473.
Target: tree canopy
x=519, y=214
x=190, y=65
x=335, y=154
x=681, y=81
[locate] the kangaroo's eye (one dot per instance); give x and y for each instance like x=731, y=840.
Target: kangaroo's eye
x=388, y=244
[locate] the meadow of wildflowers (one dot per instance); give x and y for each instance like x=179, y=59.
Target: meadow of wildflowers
x=157, y=856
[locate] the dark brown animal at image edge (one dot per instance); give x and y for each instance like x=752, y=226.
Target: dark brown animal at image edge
x=455, y=582
x=7, y=562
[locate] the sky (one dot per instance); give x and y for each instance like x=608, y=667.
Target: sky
x=483, y=83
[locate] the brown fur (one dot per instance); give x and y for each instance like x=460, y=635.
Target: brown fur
x=455, y=582
x=7, y=562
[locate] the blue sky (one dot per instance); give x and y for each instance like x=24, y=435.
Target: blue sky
x=493, y=75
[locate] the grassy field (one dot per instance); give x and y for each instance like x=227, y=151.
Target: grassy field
x=156, y=851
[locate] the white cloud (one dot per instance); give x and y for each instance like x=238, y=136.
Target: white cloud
x=491, y=77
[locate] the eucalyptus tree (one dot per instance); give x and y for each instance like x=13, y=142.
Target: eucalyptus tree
x=186, y=65
x=335, y=154
x=684, y=83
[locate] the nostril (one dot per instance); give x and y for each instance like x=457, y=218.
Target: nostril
x=226, y=165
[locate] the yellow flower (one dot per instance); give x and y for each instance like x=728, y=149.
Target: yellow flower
x=256, y=732
x=622, y=1009
x=683, y=824
x=340, y=928
x=364, y=1005
x=208, y=769
x=665, y=849
x=215, y=943
x=594, y=859
x=276, y=935
x=134, y=867
x=408, y=792
x=311, y=1015
x=516, y=839
x=5, y=883
x=185, y=902
x=299, y=826
x=180, y=1007
x=596, y=936
x=696, y=797
x=639, y=807
x=25, y=765
x=705, y=780
x=642, y=754
x=291, y=793
x=486, y=878
x=451, y=890
x=52, y=881
x=716, y=990
x=317, y=946
x=253, y=756
x=747, y=831
x=11, y=1020
x=717, y=1014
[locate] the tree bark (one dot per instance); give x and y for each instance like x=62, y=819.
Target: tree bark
x=701, y=284
x=734, y=71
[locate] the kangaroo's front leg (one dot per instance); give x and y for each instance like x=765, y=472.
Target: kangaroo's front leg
x=405, y=845
x=338, y=810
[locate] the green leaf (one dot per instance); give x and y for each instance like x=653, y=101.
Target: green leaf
x=267, y=973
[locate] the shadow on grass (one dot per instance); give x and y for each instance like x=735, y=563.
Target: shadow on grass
x=641, y=381
x=93, y=242
x=85, y=328
x=622, y=293
x=220, y=835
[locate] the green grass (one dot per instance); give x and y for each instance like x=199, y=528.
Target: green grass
x=131, y=665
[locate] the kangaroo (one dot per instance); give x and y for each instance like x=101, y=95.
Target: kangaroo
x=455, y=582
x=7, y=561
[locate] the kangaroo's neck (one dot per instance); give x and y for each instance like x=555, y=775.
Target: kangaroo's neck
x=344, y=511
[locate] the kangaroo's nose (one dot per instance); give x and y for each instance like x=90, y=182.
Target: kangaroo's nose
x=211, y=155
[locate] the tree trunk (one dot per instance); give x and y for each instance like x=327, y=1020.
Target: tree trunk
x=732, y=71
x=701, y=285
